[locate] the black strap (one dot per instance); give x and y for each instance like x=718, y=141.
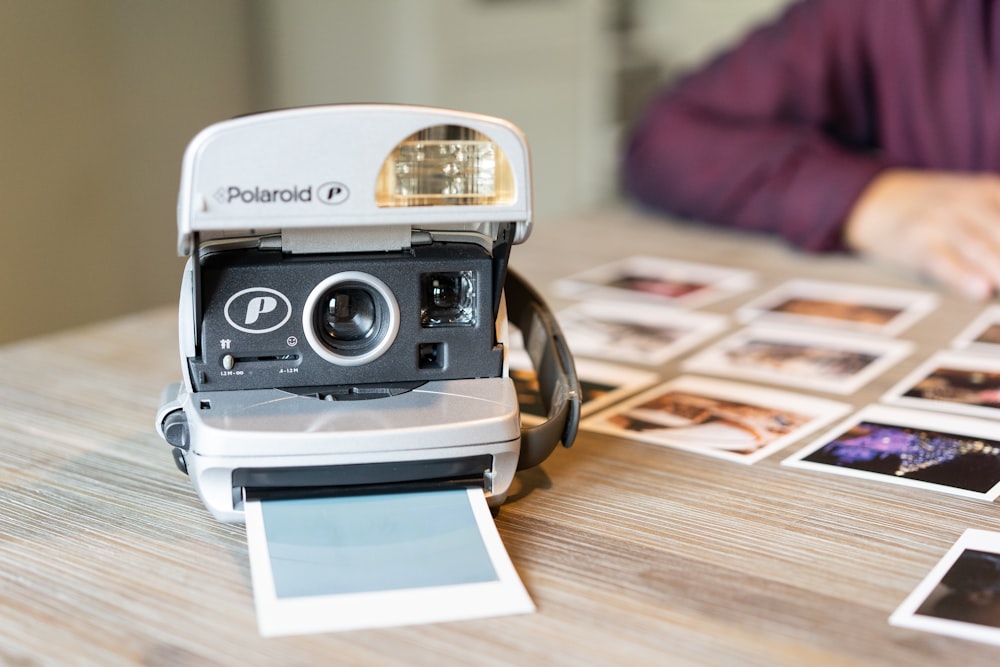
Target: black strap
x=557, y=380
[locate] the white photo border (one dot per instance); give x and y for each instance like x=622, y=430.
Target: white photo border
x=693, y=328
x=717, y=282
x=340, y=612
x=902, y=418
x=820, y=411
x=960, y=360
x=907, y=616
x=911, y=304
x=966, y=339
x=887, y=352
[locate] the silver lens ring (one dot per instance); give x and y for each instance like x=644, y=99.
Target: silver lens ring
x=368, y=340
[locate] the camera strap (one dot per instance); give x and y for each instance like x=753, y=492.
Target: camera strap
x=557, y=381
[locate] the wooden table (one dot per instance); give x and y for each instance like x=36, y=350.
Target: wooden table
x=634, y=554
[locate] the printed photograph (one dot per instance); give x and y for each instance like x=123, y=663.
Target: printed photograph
x=602, y=385
x=836, y=363
x=637, y=333
x=723, y=419
x=961, y=595
x=947, y=453
x=953, y=381
x=862, y=308
x=334, y=563
x=989, y=336
x=982, y=334
x=685, y=284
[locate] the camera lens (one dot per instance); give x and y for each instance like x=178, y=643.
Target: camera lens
x=350, y=314
x=351, y=318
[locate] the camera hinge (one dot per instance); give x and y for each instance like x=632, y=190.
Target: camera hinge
x=346, y=239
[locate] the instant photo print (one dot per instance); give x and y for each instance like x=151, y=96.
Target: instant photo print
x=344, y=308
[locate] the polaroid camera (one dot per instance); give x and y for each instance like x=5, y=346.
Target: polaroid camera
x=344, y=308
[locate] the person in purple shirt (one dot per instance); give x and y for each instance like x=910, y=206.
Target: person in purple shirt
x=864, y=125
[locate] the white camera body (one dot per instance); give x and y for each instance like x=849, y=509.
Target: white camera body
x=343, y=319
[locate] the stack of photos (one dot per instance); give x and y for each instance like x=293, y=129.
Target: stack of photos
x=938, y=429
x=821, y=336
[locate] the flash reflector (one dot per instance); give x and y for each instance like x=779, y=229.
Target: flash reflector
x=445, y=165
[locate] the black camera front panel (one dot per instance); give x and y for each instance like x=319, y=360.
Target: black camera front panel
x=345, y=321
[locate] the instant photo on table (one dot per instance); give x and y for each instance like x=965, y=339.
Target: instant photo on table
x=376, y=560
x=657, y=280
x=927, y=450
x=953, y=381
x=815, y=360
x=728, y=420
x=961, y=595
x=637, y=333
x=840, y=305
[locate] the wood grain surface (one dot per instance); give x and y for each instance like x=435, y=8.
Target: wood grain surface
x=635, y=554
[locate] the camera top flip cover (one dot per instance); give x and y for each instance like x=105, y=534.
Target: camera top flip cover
x=345, y=304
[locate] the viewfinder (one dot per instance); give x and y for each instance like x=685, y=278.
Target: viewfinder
x=448, y=299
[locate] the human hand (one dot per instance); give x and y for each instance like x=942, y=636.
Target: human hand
x=943, y=225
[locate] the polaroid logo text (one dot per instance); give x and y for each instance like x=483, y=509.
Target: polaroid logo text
x=257, y=310
x=259, y=195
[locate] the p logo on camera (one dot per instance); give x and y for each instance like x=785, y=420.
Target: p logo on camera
x=258, y=310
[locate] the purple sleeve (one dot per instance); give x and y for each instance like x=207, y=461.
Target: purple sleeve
x=776, y=135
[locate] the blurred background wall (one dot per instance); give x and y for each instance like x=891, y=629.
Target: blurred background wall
x=98, y=100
